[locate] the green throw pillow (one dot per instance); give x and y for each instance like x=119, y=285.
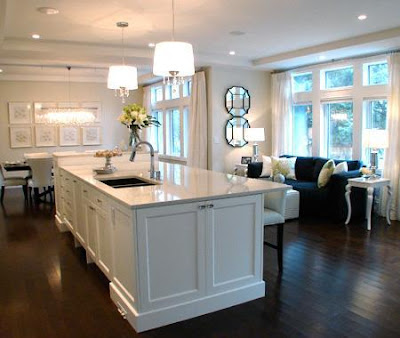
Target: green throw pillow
x=326, y=173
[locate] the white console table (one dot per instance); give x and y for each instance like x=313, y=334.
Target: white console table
x=370, y=185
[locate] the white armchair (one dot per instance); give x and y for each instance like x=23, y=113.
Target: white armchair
x=274, y=215
x=41, y=176
x=11, y=182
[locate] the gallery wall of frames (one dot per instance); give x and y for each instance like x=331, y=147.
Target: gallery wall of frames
x=27, y=131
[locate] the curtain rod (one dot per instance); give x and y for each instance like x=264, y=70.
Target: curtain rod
x=336, y=60
x=52, y=66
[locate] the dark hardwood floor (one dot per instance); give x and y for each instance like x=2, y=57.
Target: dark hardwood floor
x=337, y=282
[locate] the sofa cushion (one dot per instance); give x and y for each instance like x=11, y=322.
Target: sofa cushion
x=266, y=166
x=304, y=168
x=254, y=169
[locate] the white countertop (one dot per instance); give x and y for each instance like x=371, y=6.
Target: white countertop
x=178, y=184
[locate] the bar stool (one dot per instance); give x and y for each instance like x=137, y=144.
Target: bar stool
x=274, y=215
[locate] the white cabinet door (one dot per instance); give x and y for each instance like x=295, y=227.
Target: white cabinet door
x=90, y=212
x=124, y=253
x=234, y=243
x=172, y=247
x=104, y=254
x=80, y=226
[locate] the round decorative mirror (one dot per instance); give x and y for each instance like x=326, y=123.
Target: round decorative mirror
x=234, y=131
x=237, y=101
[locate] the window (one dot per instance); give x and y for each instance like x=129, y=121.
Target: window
x=337, y=78
x=375, y=74
x=302, y=82
x=171, y=92
x=156, y=133
x=174, y=132
x=339, y=129
x=375, y=117
x=302, y=129
x=156, y=94
x=187, y=88
x=171, y=108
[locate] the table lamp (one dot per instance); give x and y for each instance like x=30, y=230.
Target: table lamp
x=375, y=139
x=254, y=135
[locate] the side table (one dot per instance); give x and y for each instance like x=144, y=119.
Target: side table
x=370, y=185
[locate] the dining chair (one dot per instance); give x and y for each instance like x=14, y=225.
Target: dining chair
x=11, y=182
x=42, y=177
x=274, y=215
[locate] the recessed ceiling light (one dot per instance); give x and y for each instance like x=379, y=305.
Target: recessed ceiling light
x=322, y=57
x=151, y=45
x=35, y=36
x=232, y=52
x=362, y=17
x=1, y=70
x=48, y=10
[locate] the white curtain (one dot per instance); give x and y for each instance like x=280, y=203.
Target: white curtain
x=197, y=147
x=392, y=154
x=281, y=114
x=146, y=132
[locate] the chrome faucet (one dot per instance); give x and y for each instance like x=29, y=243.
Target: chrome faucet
x=153, y=173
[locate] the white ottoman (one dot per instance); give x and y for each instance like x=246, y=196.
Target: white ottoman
x=292, y=204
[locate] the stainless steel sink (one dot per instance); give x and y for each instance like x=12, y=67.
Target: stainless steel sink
x=126, y=182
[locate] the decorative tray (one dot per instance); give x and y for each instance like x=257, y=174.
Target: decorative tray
x=104, y=170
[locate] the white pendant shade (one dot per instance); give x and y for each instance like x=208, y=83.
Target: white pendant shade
x=173, y=58
x=122, y=77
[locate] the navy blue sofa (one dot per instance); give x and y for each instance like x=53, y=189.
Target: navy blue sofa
x=327, y=201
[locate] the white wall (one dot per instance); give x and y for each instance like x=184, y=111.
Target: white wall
x=223, y=157
x=16, y=91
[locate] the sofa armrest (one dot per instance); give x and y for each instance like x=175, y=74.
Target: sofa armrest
x=337, y=188
x=254, y=169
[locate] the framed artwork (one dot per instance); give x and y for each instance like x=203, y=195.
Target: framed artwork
x=40, y=108
x=95, y=108
x=69, y=136
x=45, y=136
x=246, y=160
x=68, y=105
x=20, y=112
x=91, y=136
x=20, y=137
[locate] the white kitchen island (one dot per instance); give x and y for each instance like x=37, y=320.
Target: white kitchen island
x=188, y=245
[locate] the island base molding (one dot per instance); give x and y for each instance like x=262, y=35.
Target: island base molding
x=161, y=317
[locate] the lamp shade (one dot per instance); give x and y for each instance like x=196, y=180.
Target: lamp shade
x=122, y=77
x=375, y=138
x=173, y=58
x=254, y=134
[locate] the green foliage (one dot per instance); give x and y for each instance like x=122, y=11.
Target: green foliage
x=339, y=78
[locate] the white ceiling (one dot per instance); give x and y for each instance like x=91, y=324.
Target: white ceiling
x=278, y=33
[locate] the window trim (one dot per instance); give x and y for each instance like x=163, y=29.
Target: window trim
x=357, y=94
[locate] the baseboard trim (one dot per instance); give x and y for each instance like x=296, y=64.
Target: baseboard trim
x=160, y=317
x=60, y=224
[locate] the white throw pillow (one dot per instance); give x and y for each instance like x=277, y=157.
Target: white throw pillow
x=341, y=168
x=267, y=166
x=284, y=166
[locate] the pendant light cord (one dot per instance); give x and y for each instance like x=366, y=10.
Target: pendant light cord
x=173, y=20
x=123, y=46
x=69, y=85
